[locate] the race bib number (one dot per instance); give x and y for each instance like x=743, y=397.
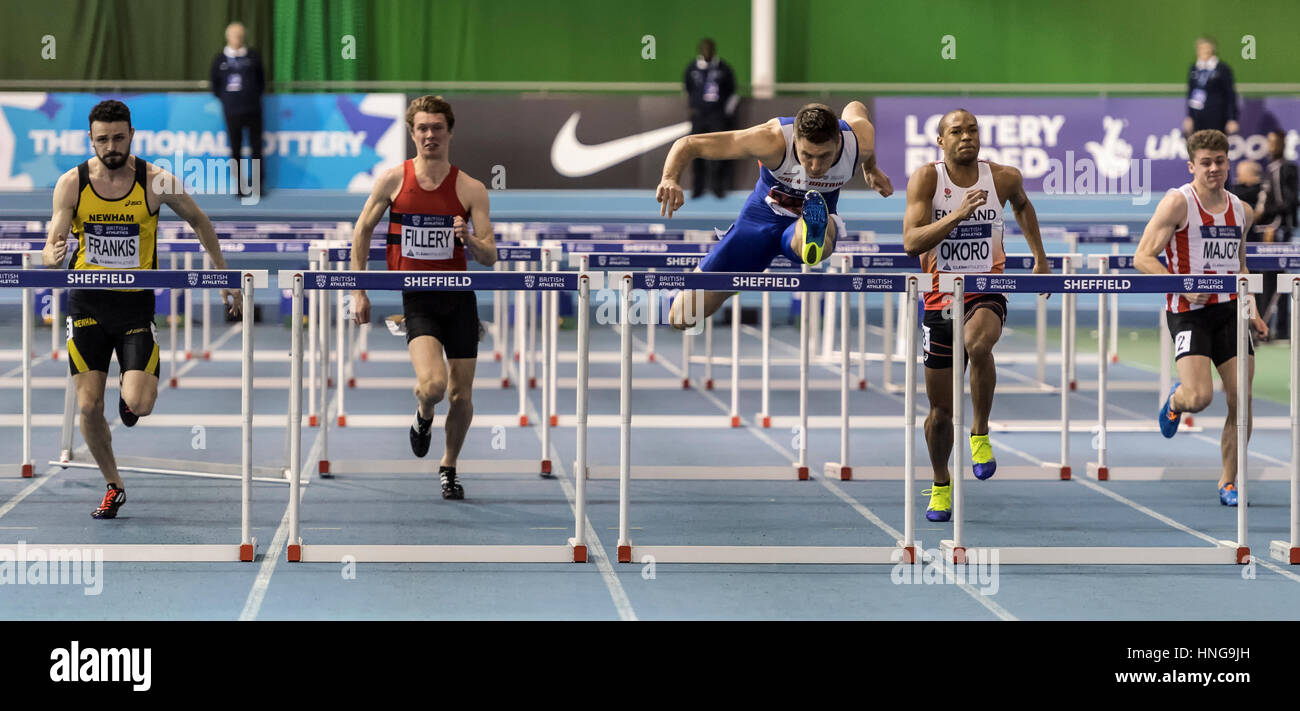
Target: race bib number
x=1220, y=245
x=969, y=248
x=925, y=338
x=1182, y=342
x=428, y=236
x=113, y=246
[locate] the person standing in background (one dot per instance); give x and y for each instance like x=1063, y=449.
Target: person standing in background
x=711, y=88
x=1281, y=191
x=1211, y=92
x=238, y=81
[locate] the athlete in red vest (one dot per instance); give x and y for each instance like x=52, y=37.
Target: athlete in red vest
x=430, y=204
x=1201, y=229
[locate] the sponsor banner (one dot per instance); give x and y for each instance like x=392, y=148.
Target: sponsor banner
x=327, y=141
x=1073, y=145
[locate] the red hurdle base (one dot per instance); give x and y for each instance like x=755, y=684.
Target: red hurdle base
x=650, y=357
x=625, y=554
x=189, y=355
x=207, y=355
x=172, y=382
x=708, y=384
x=686, y=383
x=1103, y=473
x=312, y=421
x=802, y=472
x=27, y=471
x=343, y=420
x=862, y=385
x=735, y=420
x=1065, y=473
x=959, y=556
x=505, y=382
x=495, y=356
x=909, y=555
x=1243, y=555
x=555, y=420
x=523, y=420
x=294, y=553
x=324, y=468
x=352, y=382
x=532, y=383
x=546, y=467
x=579, y=554
x=246, y=552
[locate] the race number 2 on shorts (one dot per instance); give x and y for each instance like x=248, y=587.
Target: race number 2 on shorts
x=113, y=246
x=1182, y=342
x=428, y=236
x=969, y=248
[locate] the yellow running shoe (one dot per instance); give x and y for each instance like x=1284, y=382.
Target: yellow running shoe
x=940, y=508
x=981, y=456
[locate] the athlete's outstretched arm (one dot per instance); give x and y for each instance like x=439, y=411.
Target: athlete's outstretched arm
x=1168, y=217
x=1026, y=217
x=920, y=235
x=763, y=142
x=855, y=115
x=65, y=203
x=171, y=192
x=482, y=242
x=381, y=196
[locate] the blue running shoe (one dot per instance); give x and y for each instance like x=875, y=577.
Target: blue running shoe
x=1228, y=495
x=811, y=231
x=1169, y=420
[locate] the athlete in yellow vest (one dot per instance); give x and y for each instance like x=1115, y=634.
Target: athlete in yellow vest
x=110, y=203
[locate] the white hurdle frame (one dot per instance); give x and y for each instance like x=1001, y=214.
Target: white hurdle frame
x=245, y=550
x=575, y=551
x=1289, y=551
x=903, y=550
x=1226, y=552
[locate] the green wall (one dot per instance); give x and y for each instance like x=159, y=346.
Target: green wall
x=892, y=41
x=1030, y=41
x=124, y=39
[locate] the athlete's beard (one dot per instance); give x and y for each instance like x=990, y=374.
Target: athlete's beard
x=113, y=161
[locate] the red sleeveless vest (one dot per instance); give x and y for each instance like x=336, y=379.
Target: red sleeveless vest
x=420, y=233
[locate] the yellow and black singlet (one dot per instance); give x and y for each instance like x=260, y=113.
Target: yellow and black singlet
x=114, y=233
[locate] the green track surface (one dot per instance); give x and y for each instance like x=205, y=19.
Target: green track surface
x=1141, y=348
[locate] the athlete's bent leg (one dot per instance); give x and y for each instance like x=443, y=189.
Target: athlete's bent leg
x=1228, y=439
x=938, y=424
x=1196, y=385
x=430, y=373
x=687, y=310
x=140, y=391
x=982, y=331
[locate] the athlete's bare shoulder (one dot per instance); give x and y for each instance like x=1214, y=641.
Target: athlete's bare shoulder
x=923, y=180
x=390, y=181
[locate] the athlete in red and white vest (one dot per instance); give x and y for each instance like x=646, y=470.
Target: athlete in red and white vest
x=431, y=204
x=954, y=222
x=1200, y=228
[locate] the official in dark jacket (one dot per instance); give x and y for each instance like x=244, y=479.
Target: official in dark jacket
x=711, y=88
x=1211, y=92
x=1280, y=186
x=238, y=81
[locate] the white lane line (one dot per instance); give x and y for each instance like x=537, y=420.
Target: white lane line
x=257, y=593
x=19, y=368
x=595, y=548
x=999, y=611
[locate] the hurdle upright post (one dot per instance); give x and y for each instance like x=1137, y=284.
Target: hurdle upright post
x=735, y=360
x=1289, y=551
x=887, y=380
x=765, y=316
x=958, y=408
x=652, y=323
x=862, y=339
x=909, y=422
x=547, y=333
x=521, y=347
x=1103, y=473
x=54, y=323
x=340, y=350
x=625, y=416
x=1245, y=310
x=553, y=350
x=315, y=261
x=189, y=311
x=805, y=336
x=171, y=324
x=580, y=467
x=246, y=542
x=207, y=312
x=294, y=548
x=1065, y=391
x=25, y=468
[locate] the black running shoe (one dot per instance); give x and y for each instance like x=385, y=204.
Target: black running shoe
x=421, y=435
x=128, y=418
x=113, y=500
x=451, y=489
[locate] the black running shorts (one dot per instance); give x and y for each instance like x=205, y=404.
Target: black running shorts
x=936, y=329
x=1207, y=331
x=449, y=316
x=101, y=323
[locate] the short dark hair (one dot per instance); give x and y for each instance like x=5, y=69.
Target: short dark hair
x=1279, y=131
x=944, y=121
x=430, y=105
x=1206, y=139
x=816, y=123
x=109, y=111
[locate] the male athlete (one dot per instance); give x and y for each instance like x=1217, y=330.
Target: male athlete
x=1201, y=228
x=429, y=202
x=804, y=160
x=110, y=203
x=954, y=221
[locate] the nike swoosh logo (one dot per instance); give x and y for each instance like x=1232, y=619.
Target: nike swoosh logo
x=572, y=159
